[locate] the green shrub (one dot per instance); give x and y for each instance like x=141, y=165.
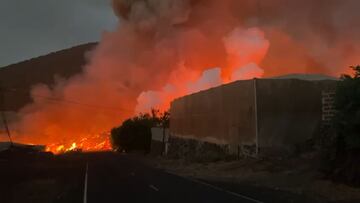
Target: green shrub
x=346, y=168
x=347, y=103
x=135, y=133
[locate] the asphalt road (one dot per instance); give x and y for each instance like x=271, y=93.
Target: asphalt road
x=111, y=178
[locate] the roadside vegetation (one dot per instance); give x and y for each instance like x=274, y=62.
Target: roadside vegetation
x=346, y=164
x=135, y=133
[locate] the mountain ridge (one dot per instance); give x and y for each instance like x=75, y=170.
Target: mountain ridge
x=18, y=78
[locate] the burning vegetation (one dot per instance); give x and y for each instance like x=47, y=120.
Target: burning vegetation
x=98, y=142
x=165, y=49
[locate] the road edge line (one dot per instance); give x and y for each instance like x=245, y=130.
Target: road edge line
x=86, y=182
x=217, y=188
x=154, y=188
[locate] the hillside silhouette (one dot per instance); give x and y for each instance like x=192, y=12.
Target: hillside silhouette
x=17, y=79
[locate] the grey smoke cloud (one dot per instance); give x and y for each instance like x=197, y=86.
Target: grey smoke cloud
x=305, y=36
x=32, y=28
x=163, y=42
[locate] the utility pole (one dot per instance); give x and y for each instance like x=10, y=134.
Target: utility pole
x=256, y=118
x=2, y=109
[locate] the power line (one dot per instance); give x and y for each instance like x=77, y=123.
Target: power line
x=2, y=106
x=81, y=104
x=74, y=102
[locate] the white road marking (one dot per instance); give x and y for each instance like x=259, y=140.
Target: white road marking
x=85, y=183
x=154, y=188
x=220, y=189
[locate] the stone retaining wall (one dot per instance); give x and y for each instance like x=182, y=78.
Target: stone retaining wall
x=195, y=150
x=202, y=151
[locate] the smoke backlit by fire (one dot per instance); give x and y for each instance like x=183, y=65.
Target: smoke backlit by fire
x=163, y=49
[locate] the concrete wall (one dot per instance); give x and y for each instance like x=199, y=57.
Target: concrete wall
x=222, y=115
x=289, y=112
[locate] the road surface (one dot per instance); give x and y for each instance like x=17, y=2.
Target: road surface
x=111, y=178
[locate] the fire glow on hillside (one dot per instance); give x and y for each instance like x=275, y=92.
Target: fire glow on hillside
x=165, y=49
x=87, y=143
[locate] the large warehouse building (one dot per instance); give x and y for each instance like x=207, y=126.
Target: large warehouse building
x=253, y=116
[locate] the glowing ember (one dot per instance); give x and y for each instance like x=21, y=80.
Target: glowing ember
x=73, y=147
x=60, y=148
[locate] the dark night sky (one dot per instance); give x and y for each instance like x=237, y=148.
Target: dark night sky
x=30, y=28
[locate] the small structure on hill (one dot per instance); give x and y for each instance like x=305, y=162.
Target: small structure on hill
x=159, y=140
x=25, y=147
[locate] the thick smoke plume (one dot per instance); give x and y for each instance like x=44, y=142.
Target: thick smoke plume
x=163, y=49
